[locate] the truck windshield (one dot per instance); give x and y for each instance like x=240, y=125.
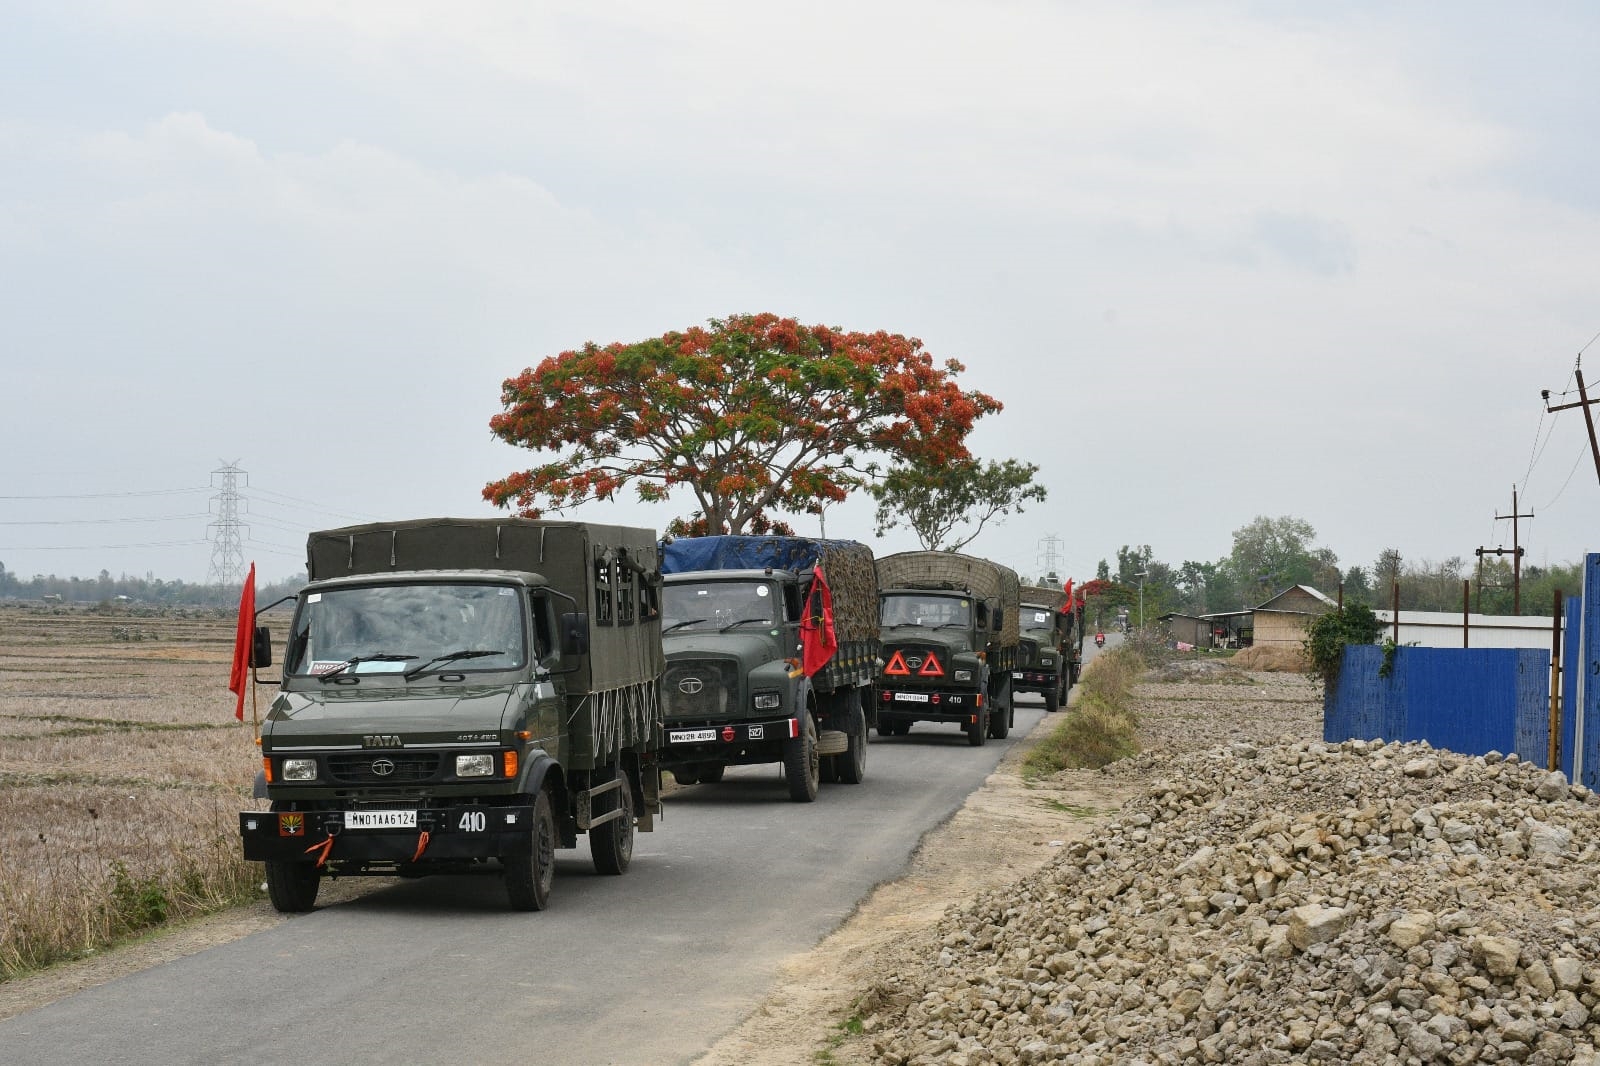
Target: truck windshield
x=390, y=629
x=696, y=605
x=1034, y=618
x=905, y=609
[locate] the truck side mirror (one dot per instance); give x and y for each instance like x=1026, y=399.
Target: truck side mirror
x=261, y=647
x=575, y=633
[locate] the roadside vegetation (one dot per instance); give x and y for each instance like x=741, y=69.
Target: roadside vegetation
x=1101, y=726
x=122, y=772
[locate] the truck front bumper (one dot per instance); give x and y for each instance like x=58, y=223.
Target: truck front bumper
x=1033, y=680
x=725, y=742
x=440, y=834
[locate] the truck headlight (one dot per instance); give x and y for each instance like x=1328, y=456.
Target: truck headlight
x=475, y=765
x=963, y=675
x=299, y=769
x=768, y=701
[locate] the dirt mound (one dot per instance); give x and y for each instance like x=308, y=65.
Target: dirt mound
x=1273, y=659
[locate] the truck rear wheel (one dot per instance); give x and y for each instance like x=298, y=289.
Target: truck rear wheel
x=685, y=775
x=801, y=763
x=851, y=767
x=530, y=877
x=292, y=886
x=611, y=844
x=710, y=773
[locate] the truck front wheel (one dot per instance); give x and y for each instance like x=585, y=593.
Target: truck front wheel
x=611, y=844
x=292, y=886
x=1051, y=699
x=801, y=763
x=530, y=877
x=978, y=730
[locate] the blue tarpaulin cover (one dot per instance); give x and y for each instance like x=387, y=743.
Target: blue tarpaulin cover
x=688, y=554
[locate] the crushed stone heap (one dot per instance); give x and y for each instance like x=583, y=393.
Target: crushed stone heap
x=1309, y=902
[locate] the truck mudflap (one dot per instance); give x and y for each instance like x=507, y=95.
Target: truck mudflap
x=465, y=831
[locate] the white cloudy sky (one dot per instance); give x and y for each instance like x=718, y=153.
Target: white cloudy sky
x=1217, y=259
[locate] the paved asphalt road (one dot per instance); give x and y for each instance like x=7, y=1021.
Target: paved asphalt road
x=645, y=968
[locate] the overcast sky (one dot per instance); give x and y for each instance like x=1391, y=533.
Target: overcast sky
x=1218, y=260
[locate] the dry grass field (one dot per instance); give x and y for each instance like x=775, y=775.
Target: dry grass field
x=122, y=770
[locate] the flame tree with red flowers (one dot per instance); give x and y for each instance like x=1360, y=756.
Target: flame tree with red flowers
x=754, y=414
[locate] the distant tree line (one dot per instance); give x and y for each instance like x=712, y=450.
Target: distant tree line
x=1273, y=554
x=143, y=590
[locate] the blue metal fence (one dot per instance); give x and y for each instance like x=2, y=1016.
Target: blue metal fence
x=1477, y=700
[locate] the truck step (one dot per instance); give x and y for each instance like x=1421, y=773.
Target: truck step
x=832, y=742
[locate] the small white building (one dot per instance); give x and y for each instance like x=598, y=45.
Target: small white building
x=1442, y=629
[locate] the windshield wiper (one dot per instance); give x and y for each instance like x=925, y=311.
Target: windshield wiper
x=947, y=625
x=741, y=622
x=477, y=653
x=680, y=625
x=356, y=660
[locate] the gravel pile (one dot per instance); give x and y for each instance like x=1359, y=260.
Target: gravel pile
x=1297, y=902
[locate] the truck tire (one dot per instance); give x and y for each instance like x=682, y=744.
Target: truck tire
x=1000, y=722
x=887, y=727
x=292, y=886
x=1051, y=700
x=901, y=728
x=685, y=775
x=851, y=767
x=530, y=877
x=611, y=844
x=978, y=731
x=709, y=773
x=802, y=766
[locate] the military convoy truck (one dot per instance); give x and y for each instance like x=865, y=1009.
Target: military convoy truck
x=950, y=640
x=741, y=686
x=1050, y=655
x=462, y=696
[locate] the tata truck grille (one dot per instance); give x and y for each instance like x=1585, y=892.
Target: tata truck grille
x=701, y=689
x=384, y=768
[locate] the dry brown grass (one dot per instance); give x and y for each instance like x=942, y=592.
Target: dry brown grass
x=122, y=771
x=1273, y=658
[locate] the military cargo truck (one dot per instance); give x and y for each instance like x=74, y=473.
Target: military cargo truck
x=462, y=696
x=1050, y=655
x=950, y=639
x=741, y=686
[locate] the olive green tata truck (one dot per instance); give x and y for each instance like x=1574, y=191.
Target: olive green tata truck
x=462, y=696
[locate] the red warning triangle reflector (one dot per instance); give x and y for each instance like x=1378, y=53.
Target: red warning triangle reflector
x=897, y=666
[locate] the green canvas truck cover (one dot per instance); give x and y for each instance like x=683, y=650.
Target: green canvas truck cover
x=948, y=570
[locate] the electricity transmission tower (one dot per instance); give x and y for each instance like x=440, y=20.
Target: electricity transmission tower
x=226, y=532
x=1050, y=554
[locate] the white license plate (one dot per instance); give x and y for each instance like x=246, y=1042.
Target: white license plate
x=1019, y=676
x=380, y=819
x=911, y=697
x=691, y=736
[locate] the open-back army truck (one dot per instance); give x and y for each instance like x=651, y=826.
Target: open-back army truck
x=1050, y=655
x=737, y=690
x=462, y=696
x=950, y=639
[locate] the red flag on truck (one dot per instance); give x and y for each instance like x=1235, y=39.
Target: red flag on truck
x=818, y=641
x=243, y=637
x=1067, y=596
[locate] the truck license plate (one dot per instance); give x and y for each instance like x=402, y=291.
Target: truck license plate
x=911, y=697
x=1019, y=676
x=692, y=736
x=380, y=819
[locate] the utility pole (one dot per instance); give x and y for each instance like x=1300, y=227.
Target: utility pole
x=227, y=548
x=1588, y=417
x=1516, y=547
x=1516, y=594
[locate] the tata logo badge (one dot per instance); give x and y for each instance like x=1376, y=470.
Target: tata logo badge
x=914, y=661
x=291, y=825
x=383, y=767
x=690, y=686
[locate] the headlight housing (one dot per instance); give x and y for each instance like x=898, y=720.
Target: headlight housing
x=299, y=769
x=480, y=765
x=963, y=675
x=768, y=701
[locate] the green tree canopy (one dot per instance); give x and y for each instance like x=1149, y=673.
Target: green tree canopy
x=947, y=506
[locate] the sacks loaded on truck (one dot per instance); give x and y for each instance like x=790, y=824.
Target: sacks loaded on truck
x=462, y=696
x=1050, y=655
x=772, y=648
x=950, y=638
